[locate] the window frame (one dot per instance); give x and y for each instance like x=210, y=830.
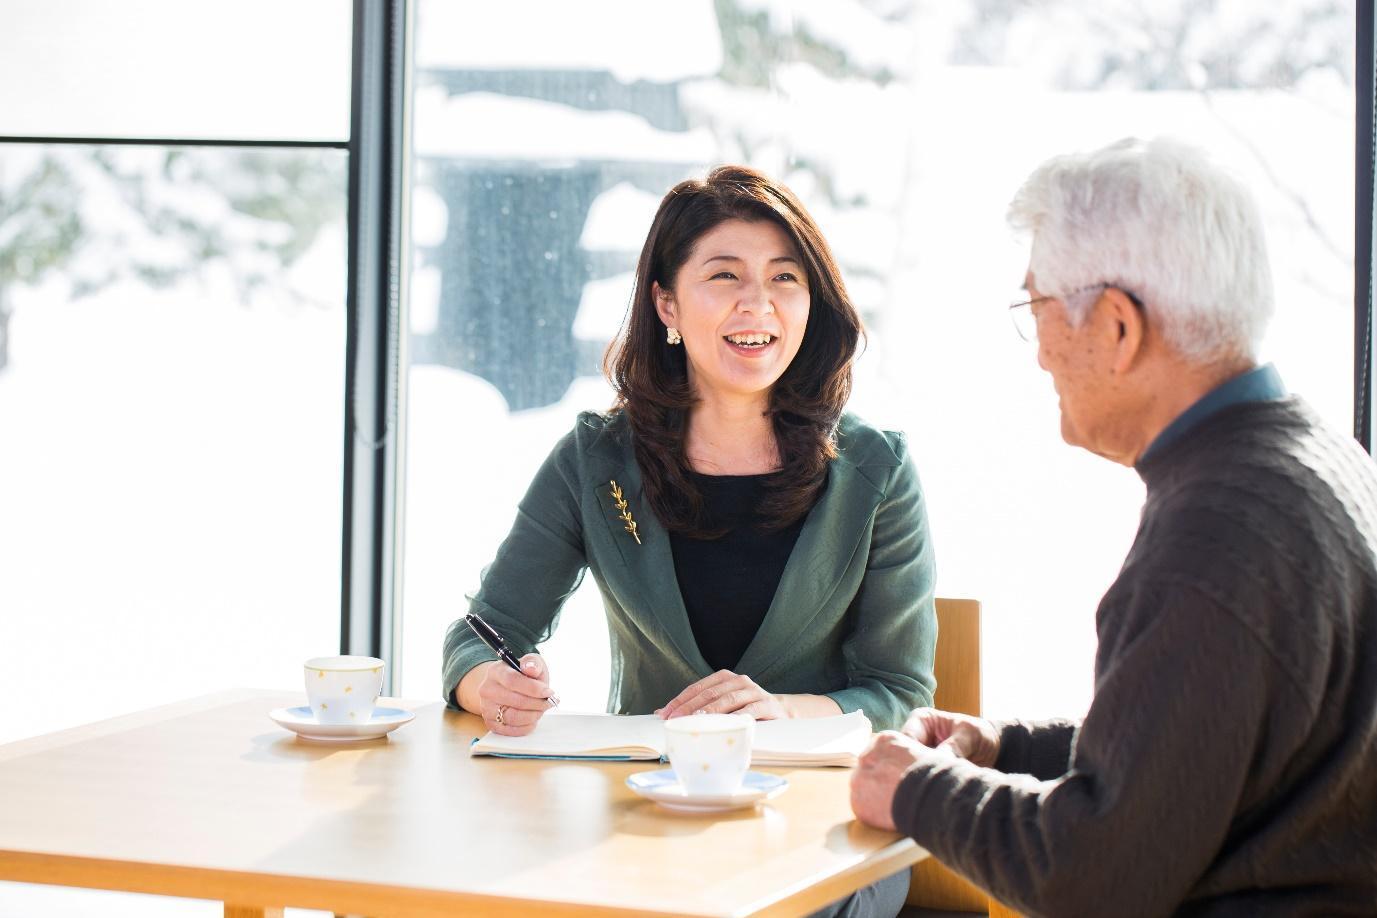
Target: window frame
x=1365, y=86
x=375, y=345
x=379, y=148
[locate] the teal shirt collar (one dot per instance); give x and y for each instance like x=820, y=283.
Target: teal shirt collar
x=1262, y=384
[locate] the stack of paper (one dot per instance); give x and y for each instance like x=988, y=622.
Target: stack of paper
x=808, y=741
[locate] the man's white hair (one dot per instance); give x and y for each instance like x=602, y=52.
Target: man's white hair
x=1159, y=220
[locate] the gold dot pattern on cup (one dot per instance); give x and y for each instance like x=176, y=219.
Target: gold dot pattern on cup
x=348, y=688
x=320, y=674
x=324, y=706
x=352, y=714
x=706, y=766
x=731, y=741
x=378, y=670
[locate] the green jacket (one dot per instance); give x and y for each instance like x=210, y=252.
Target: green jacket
x=852, y=618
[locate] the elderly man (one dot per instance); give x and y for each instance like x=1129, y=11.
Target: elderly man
x=1228, y=762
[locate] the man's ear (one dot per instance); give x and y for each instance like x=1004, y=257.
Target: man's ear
x=1130, y=324
x=664, y=303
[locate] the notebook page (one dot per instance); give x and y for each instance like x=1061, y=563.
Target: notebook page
x=560, y=734
x=811, y=740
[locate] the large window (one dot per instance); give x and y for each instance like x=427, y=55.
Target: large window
x=541, y=153
x=253, y=70
x=172, y=346
x=173, y=272
x=171, y=341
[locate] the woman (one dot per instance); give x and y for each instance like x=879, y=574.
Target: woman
x=757, y=549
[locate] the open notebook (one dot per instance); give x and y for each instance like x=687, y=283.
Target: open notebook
x=808, y=741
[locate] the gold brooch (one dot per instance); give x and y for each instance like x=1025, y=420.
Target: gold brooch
x=619, y=502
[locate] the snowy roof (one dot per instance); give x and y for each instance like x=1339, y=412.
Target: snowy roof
x=619, y=219
x=602, y=307
x=631, y=39
x=483, y=125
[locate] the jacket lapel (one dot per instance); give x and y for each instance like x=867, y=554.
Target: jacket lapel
x=826, y=549
x=647, y=567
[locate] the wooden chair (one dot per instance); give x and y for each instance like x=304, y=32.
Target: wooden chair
x=957, y=668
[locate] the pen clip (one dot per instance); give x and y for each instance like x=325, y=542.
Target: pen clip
x=486, y=632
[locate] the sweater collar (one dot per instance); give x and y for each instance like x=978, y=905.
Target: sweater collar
x=1262, y=384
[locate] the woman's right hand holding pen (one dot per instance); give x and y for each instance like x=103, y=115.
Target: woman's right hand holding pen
x=511, y=703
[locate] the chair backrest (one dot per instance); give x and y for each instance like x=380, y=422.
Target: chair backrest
x=957, y=666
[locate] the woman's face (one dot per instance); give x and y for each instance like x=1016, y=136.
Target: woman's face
x=741, y=303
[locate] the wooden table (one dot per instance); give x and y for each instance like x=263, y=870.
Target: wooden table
x=209, y=799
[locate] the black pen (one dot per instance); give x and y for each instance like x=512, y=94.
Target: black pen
x=488, y=635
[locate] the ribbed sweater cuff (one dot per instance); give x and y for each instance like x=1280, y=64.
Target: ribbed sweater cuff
x=1041, y=749
x=925, y=798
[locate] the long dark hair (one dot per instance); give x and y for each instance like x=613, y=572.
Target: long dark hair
x=651, y=377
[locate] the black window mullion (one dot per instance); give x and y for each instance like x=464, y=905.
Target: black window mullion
x=1364, y=84
x=372, y=441
x=92, y=140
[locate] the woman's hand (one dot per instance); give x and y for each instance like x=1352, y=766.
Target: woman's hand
x=966, y=737
x=511, y=703
x=726, y=692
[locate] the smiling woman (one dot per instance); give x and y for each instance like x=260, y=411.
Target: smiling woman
x=779, y=563
x=741, y=314
x=735, y=256
x=781, y=566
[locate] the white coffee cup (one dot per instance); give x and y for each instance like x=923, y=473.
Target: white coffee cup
x=710, y=753
x=343, y=690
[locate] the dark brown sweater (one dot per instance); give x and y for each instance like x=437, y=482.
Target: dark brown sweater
x=1228, y=763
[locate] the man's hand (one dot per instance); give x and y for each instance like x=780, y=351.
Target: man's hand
x=876, y=779
x=966, y=737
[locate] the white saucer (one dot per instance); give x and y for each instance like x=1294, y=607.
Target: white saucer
x=665, y=789
x=303, y=723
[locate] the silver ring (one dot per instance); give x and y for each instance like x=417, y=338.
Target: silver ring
x=497, y=718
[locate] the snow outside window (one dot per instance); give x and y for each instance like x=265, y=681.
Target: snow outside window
x=546, y=132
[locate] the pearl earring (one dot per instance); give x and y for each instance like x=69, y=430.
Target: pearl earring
x=672, y=335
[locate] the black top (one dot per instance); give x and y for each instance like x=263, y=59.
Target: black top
x=728, y=583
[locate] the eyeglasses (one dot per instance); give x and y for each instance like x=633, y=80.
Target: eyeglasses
x=1026, y=324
